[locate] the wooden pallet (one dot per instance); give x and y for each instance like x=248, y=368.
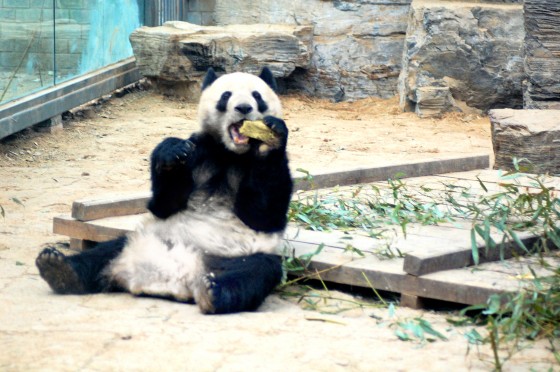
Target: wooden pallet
x=437, y=262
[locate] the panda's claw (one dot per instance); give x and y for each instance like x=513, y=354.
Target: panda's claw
x=278, y=126
x=205, y=298
x=172, y=152
x=58, y=273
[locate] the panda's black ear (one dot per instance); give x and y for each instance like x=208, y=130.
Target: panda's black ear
x=267, y=76
x=209, y=78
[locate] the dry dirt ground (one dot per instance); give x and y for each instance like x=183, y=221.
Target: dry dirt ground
x=105, y=150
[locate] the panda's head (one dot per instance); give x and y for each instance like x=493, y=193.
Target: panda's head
x=228, y=100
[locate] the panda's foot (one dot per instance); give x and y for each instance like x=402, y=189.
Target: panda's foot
x=58, y=272
x=221, y=295
x=205, y=298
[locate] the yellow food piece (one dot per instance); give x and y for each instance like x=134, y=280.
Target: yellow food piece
x=258, y=130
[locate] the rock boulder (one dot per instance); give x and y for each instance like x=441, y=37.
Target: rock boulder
x=542, y=54
x=474, y=49
x=530, y=134
x=177, y=54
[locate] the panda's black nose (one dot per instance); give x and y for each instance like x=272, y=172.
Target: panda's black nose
x=244, y=108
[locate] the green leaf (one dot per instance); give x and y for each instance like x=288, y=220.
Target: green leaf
x=427, y=327
x=304, y=218
x=516, y=239
x=17, y=201
x=474, y=247
x=493, y=306
x=402, y=336
x=474, y=338
x=482, y=184
x=391, y=309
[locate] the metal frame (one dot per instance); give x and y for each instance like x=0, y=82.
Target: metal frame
x=32, y=109
x=157, y=12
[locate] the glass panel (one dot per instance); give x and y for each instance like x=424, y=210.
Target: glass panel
x=91, y=34
x=26, y=47
x=44, y=42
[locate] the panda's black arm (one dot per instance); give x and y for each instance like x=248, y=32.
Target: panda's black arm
x=171, y=175
x=264, y=193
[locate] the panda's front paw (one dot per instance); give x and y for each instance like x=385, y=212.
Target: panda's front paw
x=278, y=126
x=172, y=152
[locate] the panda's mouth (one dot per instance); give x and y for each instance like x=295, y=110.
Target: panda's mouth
x=237, y=137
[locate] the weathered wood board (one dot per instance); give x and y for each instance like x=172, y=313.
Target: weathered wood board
x=435, y=263
x=111, y=206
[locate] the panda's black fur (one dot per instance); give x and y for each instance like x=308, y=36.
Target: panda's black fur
x=219, y=205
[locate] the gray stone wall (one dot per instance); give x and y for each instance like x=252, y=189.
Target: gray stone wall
x=357, y=44
x=201, y=12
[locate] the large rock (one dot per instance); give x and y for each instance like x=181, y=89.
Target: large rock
x=527, y=134
x=474, y=49
x=542, y=54
x=177, y=54
x=357, y=43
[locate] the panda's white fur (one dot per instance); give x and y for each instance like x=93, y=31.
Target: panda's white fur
x=242, y=86
x=164, y=257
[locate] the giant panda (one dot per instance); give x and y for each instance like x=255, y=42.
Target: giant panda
x=218, y=211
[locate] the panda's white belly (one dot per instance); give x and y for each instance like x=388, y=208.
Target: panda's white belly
x=165, y=257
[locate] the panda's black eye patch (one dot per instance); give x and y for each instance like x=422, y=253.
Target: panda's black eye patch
x=222, y=103
x=262, y=106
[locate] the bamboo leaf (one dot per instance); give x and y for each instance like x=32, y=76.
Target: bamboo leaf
x=17, y=201
x=402, y=336
x=482, y=184
x=474, y=247
x=517, y=241
x=427, y=327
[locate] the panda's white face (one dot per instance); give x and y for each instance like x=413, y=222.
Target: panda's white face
x=231, y=99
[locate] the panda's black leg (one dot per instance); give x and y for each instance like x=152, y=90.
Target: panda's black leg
x=80, y=273
x=239, y=283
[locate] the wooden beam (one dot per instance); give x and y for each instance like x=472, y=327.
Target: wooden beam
x=364, y=175
x=110, y=206
x=457, y=254
x=94, y=209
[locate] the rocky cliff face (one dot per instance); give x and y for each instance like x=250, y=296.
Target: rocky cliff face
x=451, y=55
x=178, y=54
x=542, y=54
x=357, y=44
x=472, y=49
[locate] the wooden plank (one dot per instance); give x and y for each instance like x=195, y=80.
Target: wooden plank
x=339, y=267
x=335, y=264
x=474, y=285
x=412, y=301
x=97, y=231
x=334, y=239
x=365, y=175
x=110, y=206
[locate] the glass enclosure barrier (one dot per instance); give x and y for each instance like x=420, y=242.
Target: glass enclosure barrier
x=46, y=42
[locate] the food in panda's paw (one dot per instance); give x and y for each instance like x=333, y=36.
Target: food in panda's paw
x=258, y=130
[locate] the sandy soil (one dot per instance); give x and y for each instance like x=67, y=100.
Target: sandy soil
x=105, y=150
